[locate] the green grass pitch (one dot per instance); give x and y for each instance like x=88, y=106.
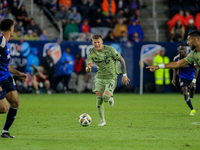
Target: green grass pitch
x=147, y=122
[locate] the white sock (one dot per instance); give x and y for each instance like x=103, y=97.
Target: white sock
x=4, y=131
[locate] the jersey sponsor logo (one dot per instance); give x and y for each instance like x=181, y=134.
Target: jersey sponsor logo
x=55, y=51
x=149, y=51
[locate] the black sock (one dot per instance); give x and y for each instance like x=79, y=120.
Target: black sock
x=10, y=118
x=189, y=103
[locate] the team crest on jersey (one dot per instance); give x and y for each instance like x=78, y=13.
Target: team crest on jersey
x=181, y=83
x=106, y=59
x=55, y=51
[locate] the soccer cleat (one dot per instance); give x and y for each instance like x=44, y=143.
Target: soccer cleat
x=6, y=135
x=48, y=92
x=111, y=102
x=37, y=92
x=102, y=123
x=193, y=112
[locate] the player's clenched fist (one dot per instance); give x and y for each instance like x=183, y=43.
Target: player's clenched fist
x=89, y=67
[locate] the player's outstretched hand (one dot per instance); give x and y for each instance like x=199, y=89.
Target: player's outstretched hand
x=152, y=68
x=125, y=80
x=23, y=76
x=173, y=82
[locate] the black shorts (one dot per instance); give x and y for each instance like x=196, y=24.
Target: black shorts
x=7, y=85
x=185, y=82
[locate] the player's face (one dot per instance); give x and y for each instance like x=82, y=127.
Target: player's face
x=182, y=50
x=12, y=30
x=191, y=42
x=98, y=43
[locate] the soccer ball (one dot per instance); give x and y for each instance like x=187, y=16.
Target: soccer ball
x=85, y=119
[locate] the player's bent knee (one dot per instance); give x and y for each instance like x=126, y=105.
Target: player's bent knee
x=105, y=98
x=15, y=103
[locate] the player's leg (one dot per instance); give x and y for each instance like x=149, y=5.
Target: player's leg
x=12, y=98
x=3, y=106
x=108, y=93
x=47, y=86
x=98, y=88
x=192, y=91
x=100, y=108
x=35, y=84
x=187, y=97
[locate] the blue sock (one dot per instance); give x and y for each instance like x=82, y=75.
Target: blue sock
x=10, y=118
x=189, y=103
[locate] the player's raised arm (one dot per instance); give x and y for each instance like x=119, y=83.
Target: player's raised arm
x=175, y=71
x=170, y=65
x=125, y=79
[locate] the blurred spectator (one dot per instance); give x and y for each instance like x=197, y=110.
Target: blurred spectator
x=119, y=27
x=121, y=5
x=84, y=9
x=187, y=17
x=16, y=26
x=79, y=70
x=172, y=22
x=66, y=3
x=43, y=36
x=9, y=14
x=2, y=15
x=49, y=67
x=18, y=35
x=197, y=21
x=62, y=15
x=133, y=8
x=71, y=31
x=82, y=38
x=32, y=59
x=14, y=9
x=123, y=37
x=22, y=15
x=34, y=27
x=98, y=19
x=39, y=79
x=67, y=61
x=190, y=27
x=53, y=7
x=35, y=36
x=5, y=5
x=110, y=37
x=132, y=28
x=29, y=35
x=177, y=32
x=135, y=37
x=75, y=15
x=22, y=27
x=86, y=29
x=162, y=76
x=109, y=7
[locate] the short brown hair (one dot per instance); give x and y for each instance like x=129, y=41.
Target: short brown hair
x=97, y=36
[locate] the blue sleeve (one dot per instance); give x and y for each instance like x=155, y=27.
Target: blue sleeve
x=2, y=45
